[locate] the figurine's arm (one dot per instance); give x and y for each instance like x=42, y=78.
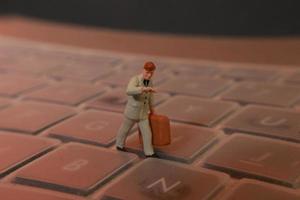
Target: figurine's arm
x=151, y=100
x=151, y=103
x=133, y=88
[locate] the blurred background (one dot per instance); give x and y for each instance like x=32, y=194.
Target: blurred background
x=230, y=30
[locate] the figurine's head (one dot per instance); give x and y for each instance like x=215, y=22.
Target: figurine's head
x=149, y=69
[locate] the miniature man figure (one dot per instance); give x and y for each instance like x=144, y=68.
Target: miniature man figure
x=139, y=104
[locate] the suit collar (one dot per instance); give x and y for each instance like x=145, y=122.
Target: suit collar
x=141, y=79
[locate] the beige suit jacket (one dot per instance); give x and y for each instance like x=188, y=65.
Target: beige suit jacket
x=138, y=104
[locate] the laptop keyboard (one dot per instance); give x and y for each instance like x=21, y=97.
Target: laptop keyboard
x=235, y=127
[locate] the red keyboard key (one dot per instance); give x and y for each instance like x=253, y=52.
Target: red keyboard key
x=257, y=74
x=294, y=78
x=262, y=93
x=116, y=99
x=4, y=102
x=258, y=157
x=13, y=192
x=92, y=127
x=195, y=110
x=113, y=100
x=82, y=72
x=31, y=117
x=159, y=179
x=194, y=86
x=247, y=189
x=193, y=69
x=187, y=142
x=17, y=149
x=121, y=78
x=66, y=93
x=13, y=85
x=74, y=168
x=266, y=121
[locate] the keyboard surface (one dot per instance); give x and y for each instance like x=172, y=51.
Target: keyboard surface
x=235, y=127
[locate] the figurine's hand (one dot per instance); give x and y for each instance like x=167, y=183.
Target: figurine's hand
x=151, y=111
x=144, y=89
x=150, y=89
x=147, y=89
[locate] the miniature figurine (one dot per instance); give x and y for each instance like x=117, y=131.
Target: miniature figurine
x=140, y=103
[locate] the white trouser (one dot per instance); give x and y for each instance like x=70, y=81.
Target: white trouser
x=145, y=130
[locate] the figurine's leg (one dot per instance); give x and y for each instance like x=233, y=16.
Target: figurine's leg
x=147, y=136
x=123, y=131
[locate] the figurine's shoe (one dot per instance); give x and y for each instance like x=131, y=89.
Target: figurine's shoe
x=121, y=149
x=152, y=156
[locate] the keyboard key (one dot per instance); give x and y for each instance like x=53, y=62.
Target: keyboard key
x=250, y=74
x=13, y=192
x=92, y=127
x=297, y=107
x=294, y=78
x=71, y=94
x=74, y=168
x=4, y=102
x=80, y=73
x=158, y=179
x=195, y=110
x=271, y=122
x=116, y=99
x=121, y=78
x=113, y=100
x=32, y=65
x=260, y=93
x=194, y=86
x=29, y=61
x=258, y=157
x=250, y=190
x=17, y=149
x=188, y=69
x=13, y=85
x=160, y=97
x=187, y=142
x=68, y=59
x=3, y=69
x=31, y=117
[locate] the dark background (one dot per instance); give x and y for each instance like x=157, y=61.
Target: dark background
x=205, y=17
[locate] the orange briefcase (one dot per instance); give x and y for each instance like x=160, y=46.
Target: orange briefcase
x=160, y=127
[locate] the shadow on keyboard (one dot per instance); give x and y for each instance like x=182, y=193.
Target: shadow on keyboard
x=235, y=128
